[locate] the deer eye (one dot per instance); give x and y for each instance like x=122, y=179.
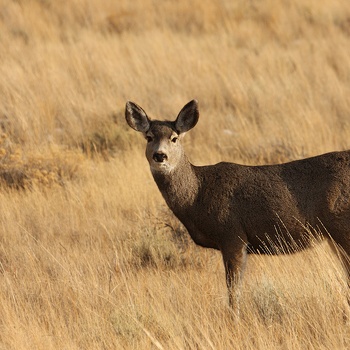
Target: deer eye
x=174, y=139
x=149, y=138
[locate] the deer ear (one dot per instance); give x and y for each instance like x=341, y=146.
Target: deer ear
x=136, y=117
x=188, y=117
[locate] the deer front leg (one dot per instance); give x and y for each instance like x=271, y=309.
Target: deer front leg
x=234, y=261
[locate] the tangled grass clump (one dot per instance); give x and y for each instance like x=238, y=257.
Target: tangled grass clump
x=22, y=170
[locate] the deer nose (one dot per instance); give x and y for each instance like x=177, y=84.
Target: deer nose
x=159, y=157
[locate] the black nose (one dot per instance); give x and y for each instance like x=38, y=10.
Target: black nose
x=159, y=157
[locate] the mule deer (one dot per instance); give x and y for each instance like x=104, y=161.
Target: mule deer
x=241, y=209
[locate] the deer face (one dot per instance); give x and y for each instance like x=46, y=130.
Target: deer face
x=164, y=150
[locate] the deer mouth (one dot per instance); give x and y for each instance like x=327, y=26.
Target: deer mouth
x=160, y=167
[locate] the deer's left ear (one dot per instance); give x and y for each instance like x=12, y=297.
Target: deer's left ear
x=136, y=117
x=188, y=117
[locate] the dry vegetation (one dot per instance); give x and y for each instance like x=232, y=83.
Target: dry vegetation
x=90, y=257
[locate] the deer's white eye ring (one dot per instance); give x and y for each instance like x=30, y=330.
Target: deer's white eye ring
x=174, y=139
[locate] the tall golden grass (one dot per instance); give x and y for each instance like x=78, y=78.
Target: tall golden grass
x=90, y=257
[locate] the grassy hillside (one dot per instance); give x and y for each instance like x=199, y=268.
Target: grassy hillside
x=90, y=257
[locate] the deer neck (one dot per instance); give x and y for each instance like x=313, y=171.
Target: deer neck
x=178, y=187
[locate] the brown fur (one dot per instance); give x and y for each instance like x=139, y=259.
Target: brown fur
x=248, y=209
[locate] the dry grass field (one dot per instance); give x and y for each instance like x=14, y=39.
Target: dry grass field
x=90, y=257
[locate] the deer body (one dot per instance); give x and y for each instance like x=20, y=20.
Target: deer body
x=252, y=203
x=241, y=209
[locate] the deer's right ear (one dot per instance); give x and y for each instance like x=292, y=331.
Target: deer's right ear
x=136, y=117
